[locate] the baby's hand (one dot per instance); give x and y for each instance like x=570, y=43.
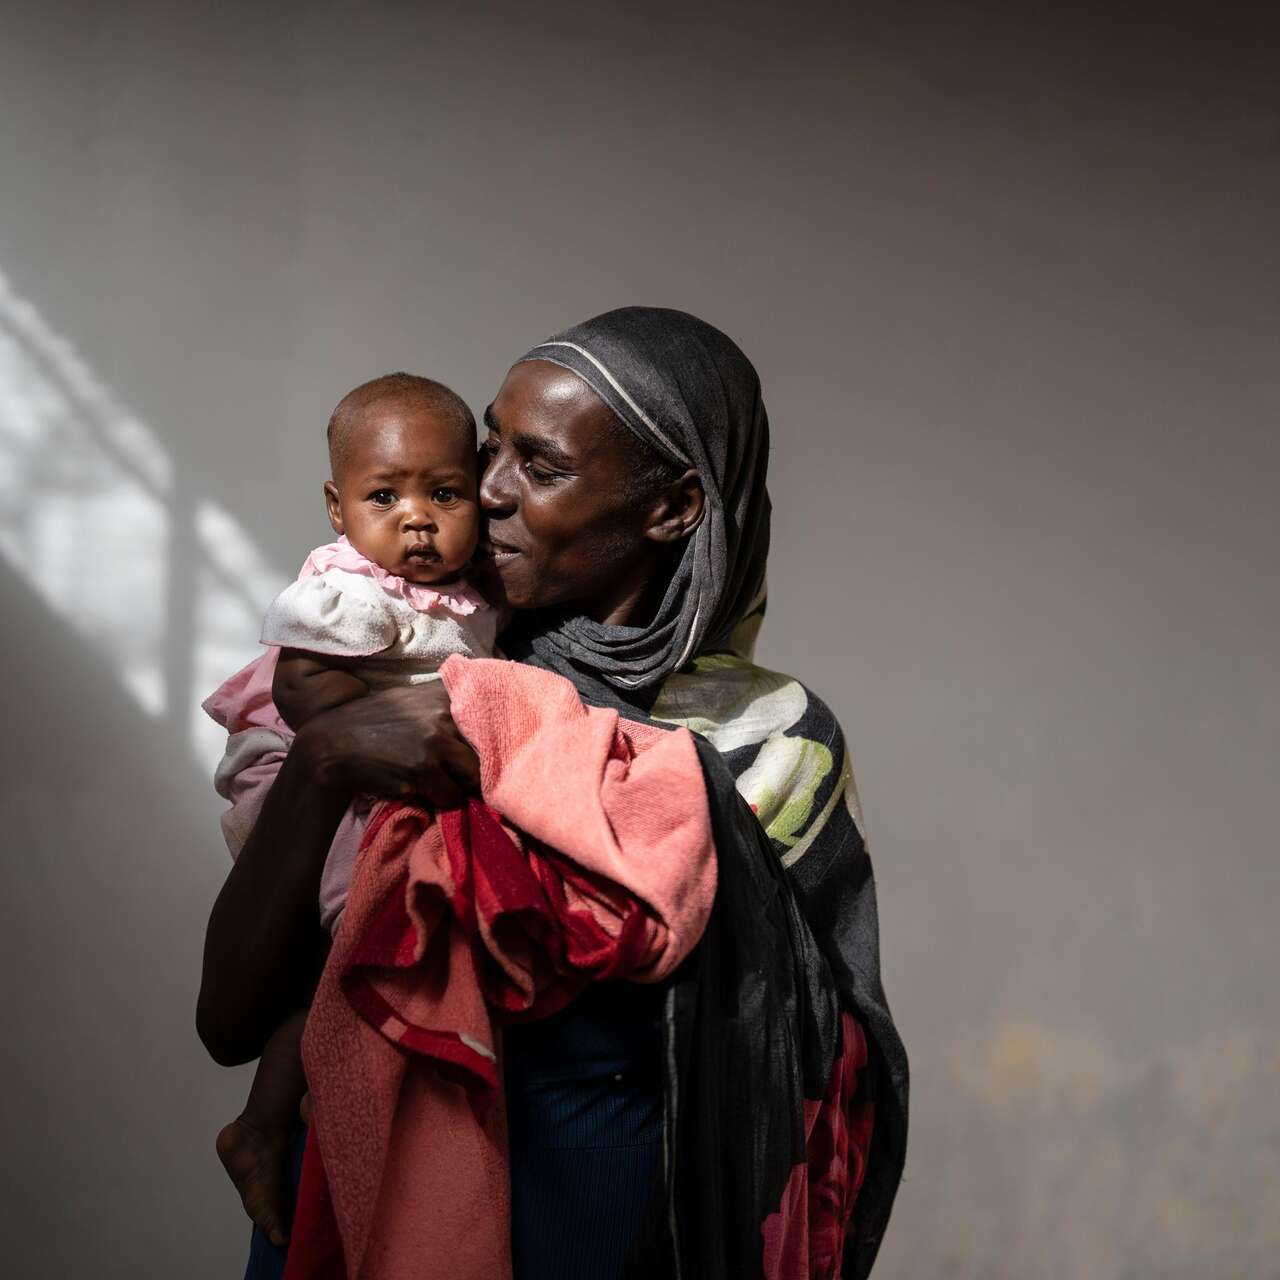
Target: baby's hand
x=255, y=1160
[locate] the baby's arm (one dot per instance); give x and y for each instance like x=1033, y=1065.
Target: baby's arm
x=324, y=625
x=306, y=684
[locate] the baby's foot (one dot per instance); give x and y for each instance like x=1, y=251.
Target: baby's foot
x=255, y=1161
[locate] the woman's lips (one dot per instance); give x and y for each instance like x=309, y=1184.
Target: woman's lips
x=498, y=552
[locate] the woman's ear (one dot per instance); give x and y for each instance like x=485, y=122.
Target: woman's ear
x=334, y=506
x=678, y=510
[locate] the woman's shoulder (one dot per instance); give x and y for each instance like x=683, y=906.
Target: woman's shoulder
x=735, y=703
x=783, y=743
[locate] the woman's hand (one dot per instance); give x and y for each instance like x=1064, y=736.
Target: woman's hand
x=401, y=742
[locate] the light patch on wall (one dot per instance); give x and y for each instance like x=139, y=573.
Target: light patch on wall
x=88, y=519
x=1091, y=1161
x=1027, y=1067
x=234, y=587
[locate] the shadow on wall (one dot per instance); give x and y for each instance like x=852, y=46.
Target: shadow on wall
x=156, y=577
x=110, y=1105
x=123, y=597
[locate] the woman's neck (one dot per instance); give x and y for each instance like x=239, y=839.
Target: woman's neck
x=635, y=601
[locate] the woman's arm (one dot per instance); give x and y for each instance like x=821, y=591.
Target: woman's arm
x=264, y=936
x=264, y=933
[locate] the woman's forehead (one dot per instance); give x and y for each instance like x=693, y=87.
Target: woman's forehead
x=539, y=398
x=542, y=385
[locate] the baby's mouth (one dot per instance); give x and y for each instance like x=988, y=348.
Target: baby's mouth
x=422, y=553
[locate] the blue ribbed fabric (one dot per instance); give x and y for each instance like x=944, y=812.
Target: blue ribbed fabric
x=584, y=1107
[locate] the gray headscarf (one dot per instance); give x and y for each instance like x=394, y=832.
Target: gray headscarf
x=689, y=393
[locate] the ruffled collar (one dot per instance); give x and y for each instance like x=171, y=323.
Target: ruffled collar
x=459, y=598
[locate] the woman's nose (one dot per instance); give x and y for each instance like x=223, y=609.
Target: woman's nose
x=497, y=487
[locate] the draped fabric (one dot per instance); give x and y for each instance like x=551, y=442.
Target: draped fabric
x=591, y=859
x=752, y=1026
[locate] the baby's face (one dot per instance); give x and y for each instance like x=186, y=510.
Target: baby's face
x=406, y=493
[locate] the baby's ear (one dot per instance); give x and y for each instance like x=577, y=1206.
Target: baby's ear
x=334, y=506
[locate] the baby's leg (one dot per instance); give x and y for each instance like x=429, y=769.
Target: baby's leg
x=254, y=1147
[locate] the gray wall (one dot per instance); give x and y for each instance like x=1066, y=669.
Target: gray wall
x=1011, y=284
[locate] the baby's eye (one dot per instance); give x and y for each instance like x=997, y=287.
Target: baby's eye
x=444, y=496
x=383, y=497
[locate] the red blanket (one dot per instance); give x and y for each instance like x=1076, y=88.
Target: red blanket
x=600, y=866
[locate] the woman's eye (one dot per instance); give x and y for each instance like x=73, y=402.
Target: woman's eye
x=444, y=496
x=383, y=497
x=538, y=475
x=490, y=446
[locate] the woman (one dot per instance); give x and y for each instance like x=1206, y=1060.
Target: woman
x=628, y=527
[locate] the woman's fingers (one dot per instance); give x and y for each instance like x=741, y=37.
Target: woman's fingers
x=399, y=742
x=448, y=773
x=440, y=789
x=462, y=762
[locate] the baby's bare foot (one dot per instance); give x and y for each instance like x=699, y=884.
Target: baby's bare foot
x=255, y=1161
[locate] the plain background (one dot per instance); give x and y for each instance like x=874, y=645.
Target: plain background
x=1009, y=273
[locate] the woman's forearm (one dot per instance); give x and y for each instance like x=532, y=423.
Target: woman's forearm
x=264, y=936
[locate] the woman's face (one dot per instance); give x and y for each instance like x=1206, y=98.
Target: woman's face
x=560, y=528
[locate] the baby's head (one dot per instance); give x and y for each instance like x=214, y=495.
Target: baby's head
x=402, y=453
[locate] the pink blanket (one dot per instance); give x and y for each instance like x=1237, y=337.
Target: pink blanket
x=591, y=858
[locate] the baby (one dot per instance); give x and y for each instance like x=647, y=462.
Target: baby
x=384, y=605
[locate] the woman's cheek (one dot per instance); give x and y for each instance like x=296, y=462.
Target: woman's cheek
x=520, y=584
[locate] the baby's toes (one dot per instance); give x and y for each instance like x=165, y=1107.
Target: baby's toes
x=262, y=1204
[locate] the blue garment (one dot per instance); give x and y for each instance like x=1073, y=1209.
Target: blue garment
x=584, y=1114
x=584, y=1111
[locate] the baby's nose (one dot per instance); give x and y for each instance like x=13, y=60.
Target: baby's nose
x=418, y=518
